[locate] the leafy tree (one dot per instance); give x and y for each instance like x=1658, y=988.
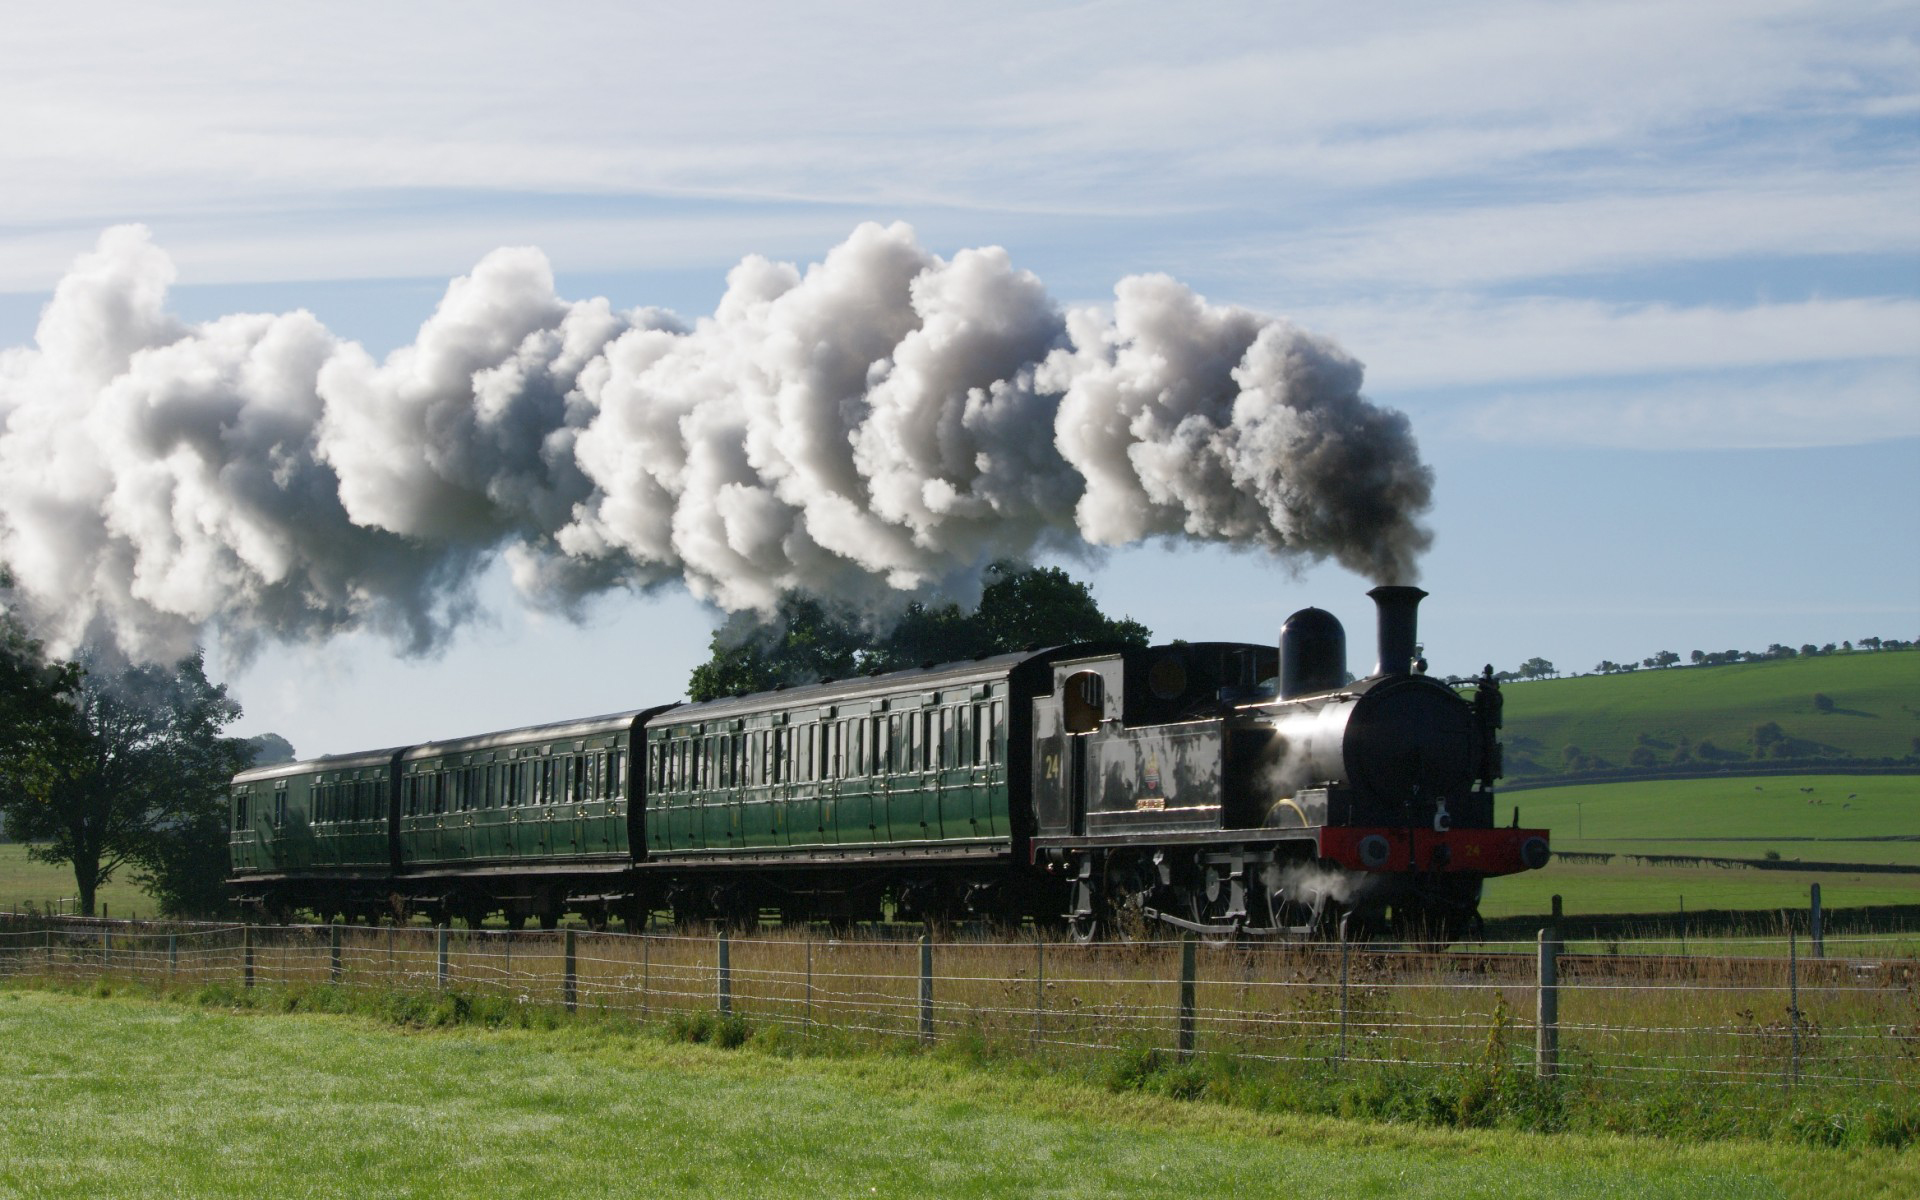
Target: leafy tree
x=808, y=641
x=267, y=749
x=1536, y=668
x=138, y=778
x=36, y=709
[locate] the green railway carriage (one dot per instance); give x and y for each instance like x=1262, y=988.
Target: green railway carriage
x=763, y=801
x=315, y=832
x=529, y=822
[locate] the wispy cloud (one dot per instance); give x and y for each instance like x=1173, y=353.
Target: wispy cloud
x=1452, y=341
x=1828, y=407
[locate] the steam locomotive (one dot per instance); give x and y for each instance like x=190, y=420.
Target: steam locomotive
x=1220, y=788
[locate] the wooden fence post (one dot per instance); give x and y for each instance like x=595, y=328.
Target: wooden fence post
x=1793, y=1003
x=723, y=981
x=1819, y=943
x=440, y=972
x=926, y=989
x=1039, y=992
x=1346, y=953
x=1547, y=1016
x=1188, y=972
x=173, y=955
x=333, y=952
x=246, y=956
x=570, y=980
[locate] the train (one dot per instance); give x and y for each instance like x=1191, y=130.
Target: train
x=1220, y=789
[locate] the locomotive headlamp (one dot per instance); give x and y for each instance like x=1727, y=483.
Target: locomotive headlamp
x=1374, y=851
x=1534, y=853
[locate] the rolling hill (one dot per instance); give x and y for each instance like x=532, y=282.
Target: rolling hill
x=1829, y=710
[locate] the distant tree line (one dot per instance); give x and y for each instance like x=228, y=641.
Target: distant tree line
x=1540, y=668
x=1774, y=652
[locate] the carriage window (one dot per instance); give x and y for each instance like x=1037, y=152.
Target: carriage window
x=279, y=806
x=240, y=811
x=997, y=739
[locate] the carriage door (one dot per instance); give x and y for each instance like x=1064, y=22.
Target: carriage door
x=1082, y=704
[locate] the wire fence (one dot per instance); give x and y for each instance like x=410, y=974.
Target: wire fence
x=1753, y=1012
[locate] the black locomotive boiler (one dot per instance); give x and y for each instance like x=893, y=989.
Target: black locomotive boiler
x=1223, y=788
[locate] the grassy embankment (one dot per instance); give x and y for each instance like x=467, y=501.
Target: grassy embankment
x=128, y=1097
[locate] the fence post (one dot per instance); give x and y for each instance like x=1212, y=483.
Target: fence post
x=1188, y=970
x=173, y=955
x=806, y=1025
x=1039, y=992
x=926, y=989
x=1346, y=953
x=106, y=948
x=1793, y=1003
x=49, y=948
x=646, y=973
x=1547, y=1017
x=1819, y=945
x=333, y=952
x=440, y=970
x=246, y=956
x=570, y=979
x=724, y=977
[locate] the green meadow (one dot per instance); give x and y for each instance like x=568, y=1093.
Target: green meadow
x=1831, y=819
x=44, y=886
x=123, y=1096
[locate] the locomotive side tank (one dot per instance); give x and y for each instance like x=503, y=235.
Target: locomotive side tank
x=1222, y=788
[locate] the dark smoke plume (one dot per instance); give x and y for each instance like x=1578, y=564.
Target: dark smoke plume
x=876, y=428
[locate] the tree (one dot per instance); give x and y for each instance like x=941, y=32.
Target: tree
x=1536, y=668
x=268, y=749
x=138, y=778
x=36, y=708
x=808, y=641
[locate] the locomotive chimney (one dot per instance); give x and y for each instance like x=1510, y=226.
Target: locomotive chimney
x=1399, y=627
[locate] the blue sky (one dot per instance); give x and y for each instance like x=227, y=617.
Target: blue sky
x=1645, y=277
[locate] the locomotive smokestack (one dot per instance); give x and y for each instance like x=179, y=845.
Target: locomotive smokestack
x=1399, y=627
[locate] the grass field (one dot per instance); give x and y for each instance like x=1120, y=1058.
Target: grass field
x=44, y=886
x=128, y=1097
x=1876, y=708
x=1725, y=818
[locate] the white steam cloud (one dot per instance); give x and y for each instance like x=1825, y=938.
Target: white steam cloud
x=874, y=429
